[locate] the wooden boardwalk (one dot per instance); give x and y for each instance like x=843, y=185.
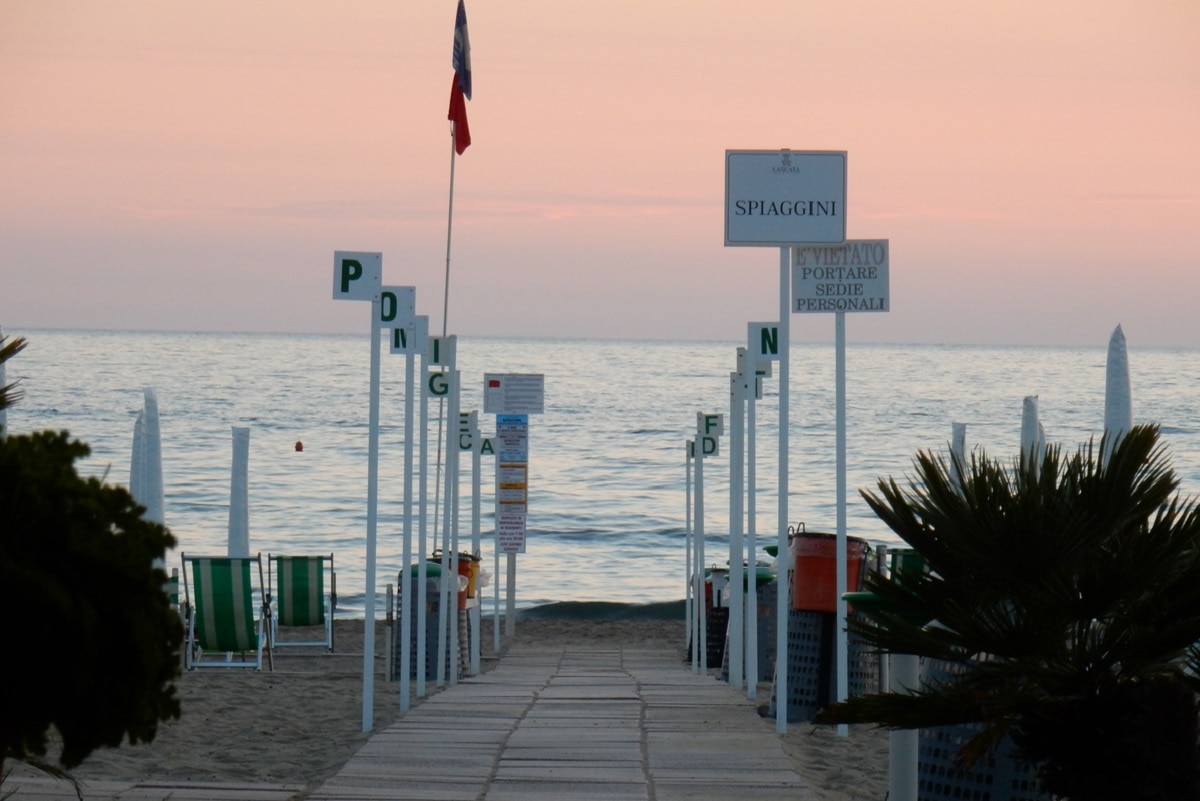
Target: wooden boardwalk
x=601, y=723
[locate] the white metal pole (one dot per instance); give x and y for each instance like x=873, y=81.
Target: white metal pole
x=406, y=557
x=476, y=535
x=446, y=598
x=843, y=676
x=783, y=601
x=496, y=556
x=510, y=600
x=453, y=462
x=737, y=460
x=449, y=229
x=697, y=567
x=368, y=704
x=689, y=597
x=700, y=663
x=751, y=545
x=423, y=531
x=903, y=744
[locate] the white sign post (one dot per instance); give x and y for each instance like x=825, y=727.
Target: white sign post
x=689, y=578
x=435, y=383
x=709, y=428
x=410, y=341
x=447, y=665
x=784, y=198
x=359, y=276
x=470, y=441
x=850, y=277
x=512, y=397
x=762, y=344
x=739, y=389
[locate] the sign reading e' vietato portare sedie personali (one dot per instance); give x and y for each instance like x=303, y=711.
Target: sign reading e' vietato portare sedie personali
x=785, y=197
x=850, y=277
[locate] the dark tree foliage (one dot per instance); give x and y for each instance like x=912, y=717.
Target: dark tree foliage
x=91, y=643
x=9, y=347
x=1068, y=592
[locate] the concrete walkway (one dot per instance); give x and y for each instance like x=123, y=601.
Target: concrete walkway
x=601, y=723
x=580, y=722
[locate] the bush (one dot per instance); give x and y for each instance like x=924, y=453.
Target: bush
x=90, y=639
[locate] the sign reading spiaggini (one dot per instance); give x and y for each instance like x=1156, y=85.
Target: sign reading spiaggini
x=851, y=277
x=785, y=197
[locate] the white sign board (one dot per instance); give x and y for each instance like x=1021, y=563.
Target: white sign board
x=412, y=338
x=852, y=277
x=512, y=438
x=442, y=351
x=709, y=430
x=357, y=276
x=510, y=532
x=785, y=197
x=762, y=343
x=512, y=481
x=468, y=431
x=512, y=487
x=514, y=393
x=397, y=306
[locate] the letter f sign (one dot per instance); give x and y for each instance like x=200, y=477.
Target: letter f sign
x=357, y=276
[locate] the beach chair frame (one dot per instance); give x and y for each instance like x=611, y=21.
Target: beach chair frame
x=219, y=612
x=302, y=598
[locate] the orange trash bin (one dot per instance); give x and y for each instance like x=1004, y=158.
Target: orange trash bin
x=816, y=570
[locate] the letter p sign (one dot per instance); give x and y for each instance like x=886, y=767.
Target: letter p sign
x=357, y=276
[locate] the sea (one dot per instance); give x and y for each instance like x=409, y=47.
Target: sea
x=607, y=477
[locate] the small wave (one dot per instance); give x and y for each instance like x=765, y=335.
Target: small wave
x=605, y=610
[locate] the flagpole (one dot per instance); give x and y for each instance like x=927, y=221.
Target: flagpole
x=445, y=324
x=449, y=232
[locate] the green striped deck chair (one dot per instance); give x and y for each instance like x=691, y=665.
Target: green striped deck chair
x=299, y=598
x=220, y=612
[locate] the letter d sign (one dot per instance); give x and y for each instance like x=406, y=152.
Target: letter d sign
x=357, y=276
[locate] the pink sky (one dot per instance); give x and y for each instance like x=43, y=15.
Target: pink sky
x=1035, y=166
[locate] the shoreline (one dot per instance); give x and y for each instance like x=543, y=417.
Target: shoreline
x=299, y=725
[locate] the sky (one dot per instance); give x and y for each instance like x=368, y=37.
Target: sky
x=1034, y=165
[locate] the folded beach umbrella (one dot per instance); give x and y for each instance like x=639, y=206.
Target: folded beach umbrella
x=239, y=495
x=145, y=471
x=1033, y=436
x=1118, y=403
x=136, y=469
x=958, y=450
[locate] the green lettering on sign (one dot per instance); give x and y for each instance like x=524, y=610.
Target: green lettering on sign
x=352, y=270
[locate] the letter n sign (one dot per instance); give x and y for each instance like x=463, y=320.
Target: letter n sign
x=357, y=276
x=764, y=341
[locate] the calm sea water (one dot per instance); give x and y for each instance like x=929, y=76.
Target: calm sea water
x=606, y=487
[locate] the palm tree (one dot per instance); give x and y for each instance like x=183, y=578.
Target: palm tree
x=9, y=348
x=1067, y=595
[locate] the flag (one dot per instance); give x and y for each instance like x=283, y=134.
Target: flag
x=458, y=114
x=460, y=89
x=462, y=51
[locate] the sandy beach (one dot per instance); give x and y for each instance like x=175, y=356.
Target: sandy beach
x=299, y=724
